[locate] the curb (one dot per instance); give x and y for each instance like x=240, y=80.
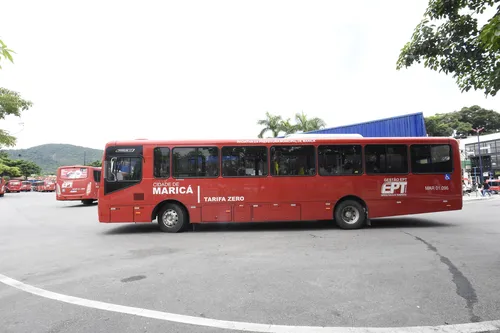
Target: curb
x=481, y=198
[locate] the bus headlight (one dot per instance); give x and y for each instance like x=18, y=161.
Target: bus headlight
x=58, y=189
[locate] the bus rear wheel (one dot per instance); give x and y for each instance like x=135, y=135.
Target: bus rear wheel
x=87, y=202
x=350, y=214
x=172, y=218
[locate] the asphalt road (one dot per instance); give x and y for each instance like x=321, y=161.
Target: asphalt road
x=433, y=269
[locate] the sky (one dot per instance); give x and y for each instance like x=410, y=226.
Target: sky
x=99, y=71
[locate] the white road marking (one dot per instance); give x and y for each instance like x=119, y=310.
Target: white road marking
x=484, y=326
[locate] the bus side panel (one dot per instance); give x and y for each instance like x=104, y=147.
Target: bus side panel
x=383, y=197
x=103, y=214
x=242, y=213
x=217, y=213
x=194, y=214
x=285, y=211
x=275, y=198
x=121, y=214
x=322, y=210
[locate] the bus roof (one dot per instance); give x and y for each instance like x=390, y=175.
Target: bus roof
x=310, y=139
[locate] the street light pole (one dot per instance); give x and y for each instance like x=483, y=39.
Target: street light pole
x=477, y=130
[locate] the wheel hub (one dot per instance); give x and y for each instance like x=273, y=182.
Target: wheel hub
x=170, y=218
x=350, y=215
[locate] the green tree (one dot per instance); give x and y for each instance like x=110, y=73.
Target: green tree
x=306, y=125
x=271, y=123
x=444, y=124
x=7, y=166
x=5, y=53
x=96, y=164
x=27, y=168
x=479, y=117
x=287, y=127
x=11, y=102
x=449, y=40
x=463, y=121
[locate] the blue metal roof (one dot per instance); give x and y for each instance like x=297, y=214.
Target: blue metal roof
x=410, y=125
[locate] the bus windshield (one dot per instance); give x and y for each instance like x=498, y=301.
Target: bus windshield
x=74, y=173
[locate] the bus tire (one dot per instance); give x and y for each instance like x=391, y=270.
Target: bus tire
x=350, y=214
x=172, y=218
x=87, y=202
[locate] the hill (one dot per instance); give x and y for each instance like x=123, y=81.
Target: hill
x=51, y=156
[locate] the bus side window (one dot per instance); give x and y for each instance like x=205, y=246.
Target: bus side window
x=293, y=161
x=340, y=160
x=244, y=161
x=195, y=162
x=161, y=162
x=386, y=159
x=97, y=176
x=435, y=158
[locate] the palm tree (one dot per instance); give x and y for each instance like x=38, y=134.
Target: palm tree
x=307, y=125
x=272, y=123
x=287, y=127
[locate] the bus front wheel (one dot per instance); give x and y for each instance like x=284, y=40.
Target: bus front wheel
x=350, y=214
x=172, y=218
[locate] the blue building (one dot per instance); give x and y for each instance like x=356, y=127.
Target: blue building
x=410, y=125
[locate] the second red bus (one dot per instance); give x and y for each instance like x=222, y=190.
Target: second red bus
x=78, y=183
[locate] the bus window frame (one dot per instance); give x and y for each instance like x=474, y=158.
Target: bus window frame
x=139, y=157
x=172, y=175
x=268, y=158
x=170, y=164
x=408, y=159
x=98, y=172
x=362, y=160
x=315, y=160
x=432, y=173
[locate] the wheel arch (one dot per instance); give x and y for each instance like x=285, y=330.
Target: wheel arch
x=158, y=207
x=351, y=197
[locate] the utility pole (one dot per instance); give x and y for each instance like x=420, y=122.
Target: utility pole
x=84, y=157
x=477, y=130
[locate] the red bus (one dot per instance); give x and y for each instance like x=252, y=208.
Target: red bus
x=45, y=186
x=26, y=186
x=494, y=185
x=13, y=185
x=77, y=182
x=2, y=187
x=347, y=180
x=34, y=185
